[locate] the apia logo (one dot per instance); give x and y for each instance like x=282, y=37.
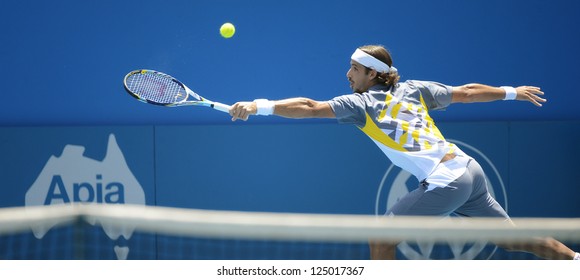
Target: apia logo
x=397, y=183
x=74, y=178
x=85, y=192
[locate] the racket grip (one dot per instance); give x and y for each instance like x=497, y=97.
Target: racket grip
x=221, y=107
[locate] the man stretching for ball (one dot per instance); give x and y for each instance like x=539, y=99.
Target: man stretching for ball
x=395, y=115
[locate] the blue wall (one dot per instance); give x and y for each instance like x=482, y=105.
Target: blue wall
x=317, y=168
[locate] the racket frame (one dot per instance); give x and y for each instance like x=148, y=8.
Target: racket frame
x=199, y=100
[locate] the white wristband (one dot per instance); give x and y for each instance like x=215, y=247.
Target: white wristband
x=265, y=107
x=577, y=256
x=510, y=93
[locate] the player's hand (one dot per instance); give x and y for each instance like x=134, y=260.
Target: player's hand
x=243, y=110
x=531, y=94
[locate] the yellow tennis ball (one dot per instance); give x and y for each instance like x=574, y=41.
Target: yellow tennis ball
x=227, y=30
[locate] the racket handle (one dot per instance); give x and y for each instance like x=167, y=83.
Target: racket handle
x=221, y=107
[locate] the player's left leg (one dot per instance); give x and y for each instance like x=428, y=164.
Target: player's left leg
x=545, y=248
x=482, y=204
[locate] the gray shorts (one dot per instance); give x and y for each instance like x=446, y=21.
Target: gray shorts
x=467, y=196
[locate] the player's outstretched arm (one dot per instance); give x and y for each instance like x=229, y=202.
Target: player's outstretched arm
x=295, y=108
x=471, y=93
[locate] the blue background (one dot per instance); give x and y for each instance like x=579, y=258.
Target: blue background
x=63, y=63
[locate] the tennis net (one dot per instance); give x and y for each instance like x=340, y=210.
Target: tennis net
x=105, y=231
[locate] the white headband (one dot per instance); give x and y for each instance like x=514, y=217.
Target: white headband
x=370, y=61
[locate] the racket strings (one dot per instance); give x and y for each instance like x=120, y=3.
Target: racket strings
x=156, y=88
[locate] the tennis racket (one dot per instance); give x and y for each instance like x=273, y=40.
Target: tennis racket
x=158, y=88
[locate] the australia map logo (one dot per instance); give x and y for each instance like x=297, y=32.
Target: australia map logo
x=74, y=178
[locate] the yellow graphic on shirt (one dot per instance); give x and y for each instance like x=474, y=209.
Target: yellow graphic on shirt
x=403, y=126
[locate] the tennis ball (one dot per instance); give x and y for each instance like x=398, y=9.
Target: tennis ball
x=227, y=30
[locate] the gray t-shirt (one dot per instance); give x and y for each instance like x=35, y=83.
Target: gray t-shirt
x=397, y=120
x=351, y=108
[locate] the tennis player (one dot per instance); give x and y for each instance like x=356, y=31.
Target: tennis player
x=395, y=115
